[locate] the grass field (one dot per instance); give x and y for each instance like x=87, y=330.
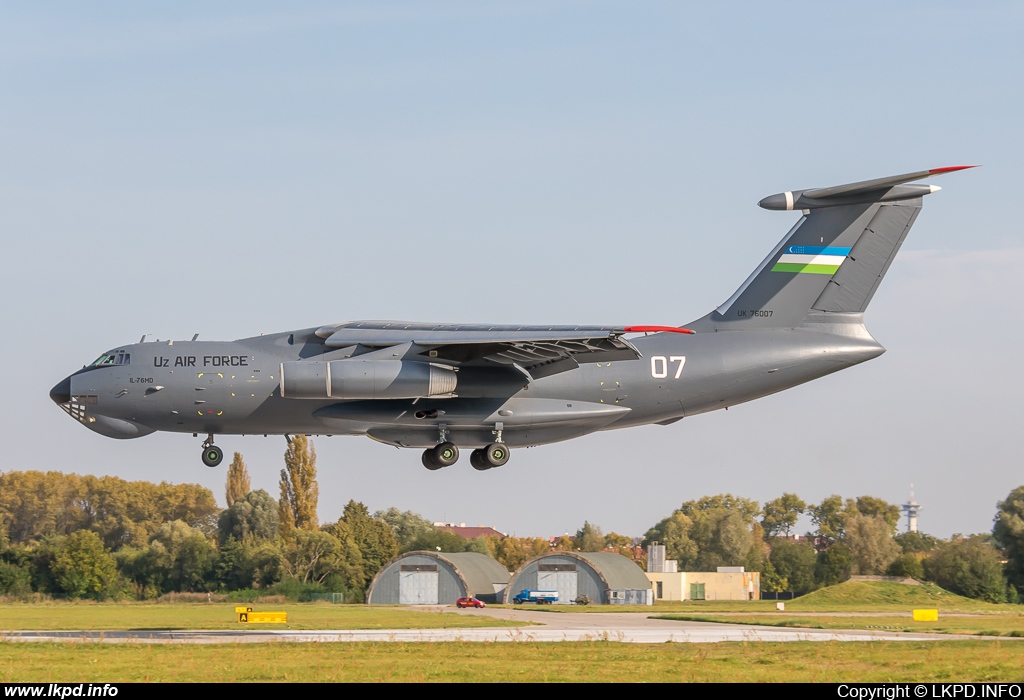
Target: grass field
x=868, y=605
x=852, y=596
x=213, y=616
x=995, y=625
x=598, y=662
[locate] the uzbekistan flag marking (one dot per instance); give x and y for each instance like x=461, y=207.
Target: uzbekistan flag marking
x=812, y=259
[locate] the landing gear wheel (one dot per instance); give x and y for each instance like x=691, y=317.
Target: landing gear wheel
x=212, y=455
x=446, y=454
x=478, y=460
x=428, y=460
x=496, y=454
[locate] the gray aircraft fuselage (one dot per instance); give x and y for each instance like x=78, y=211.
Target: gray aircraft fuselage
x=799, y=316
x=234, y=388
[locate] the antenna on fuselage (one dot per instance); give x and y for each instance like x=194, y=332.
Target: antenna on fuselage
x=144, y=336
x=194, y=337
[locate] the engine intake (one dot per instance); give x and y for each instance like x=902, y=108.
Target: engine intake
x=365, y=379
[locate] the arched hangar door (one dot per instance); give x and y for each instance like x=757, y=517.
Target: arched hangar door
x=417, y=584
x=558, y=577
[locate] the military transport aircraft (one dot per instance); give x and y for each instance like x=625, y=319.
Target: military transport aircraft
x=442, y=387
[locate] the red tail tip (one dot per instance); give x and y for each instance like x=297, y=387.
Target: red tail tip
x=657, y=329
x=950, y=169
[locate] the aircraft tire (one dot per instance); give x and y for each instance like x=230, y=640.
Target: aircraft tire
x=212, y=456
x=496, y=454
x=428, y=460
x=478, y=460
x=446, y=454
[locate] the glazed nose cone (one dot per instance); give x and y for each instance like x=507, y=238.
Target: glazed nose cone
x=62, y=392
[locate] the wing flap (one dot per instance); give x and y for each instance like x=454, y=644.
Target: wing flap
x=545, y=350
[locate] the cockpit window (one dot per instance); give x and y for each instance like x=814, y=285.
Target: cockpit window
x=121, y=358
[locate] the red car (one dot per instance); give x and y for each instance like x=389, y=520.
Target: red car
x=469, y=603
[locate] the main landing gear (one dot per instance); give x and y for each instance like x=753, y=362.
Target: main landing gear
x=212, y=455
x=446, y=453
x=494, y=455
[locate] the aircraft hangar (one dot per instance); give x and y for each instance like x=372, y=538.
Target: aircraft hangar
x=603, y=577
x=437, y=578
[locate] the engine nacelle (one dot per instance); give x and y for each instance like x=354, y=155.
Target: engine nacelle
x=365, y=379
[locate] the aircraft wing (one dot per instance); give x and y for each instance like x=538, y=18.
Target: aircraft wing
x=540, y=350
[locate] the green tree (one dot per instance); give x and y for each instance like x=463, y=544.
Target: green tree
x=254, y=516
x=674, y=533
x=513, y=552
x=480, y=545
x=184, y=557
x=1008, y=532
x=781, y=514
x=129, y=512
x=829, y=517
x=759, y=559
x=614, y=540
x=83, y=568
x=795, y=562
x=238, y=485
x=871, y=545
x=299, y=490
x=439, y=541
x=907, y=565
x=564, y=543
x=406, y=525
x=314, y=556
x=36, y=504
x=145, y=576
x=871, y=506
x=914, y=542
x=969, y=567
x=720, y=530
x=248, y=564
x=374, y=538
x=834, y=565
x=589, y=538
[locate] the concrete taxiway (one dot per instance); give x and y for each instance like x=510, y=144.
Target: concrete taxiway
x=546, y=627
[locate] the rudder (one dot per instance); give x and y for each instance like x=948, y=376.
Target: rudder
x=833, y=259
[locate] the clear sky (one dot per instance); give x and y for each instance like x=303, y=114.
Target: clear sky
x=237, y=168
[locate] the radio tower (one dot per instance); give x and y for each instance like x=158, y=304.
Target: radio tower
x=911, y=508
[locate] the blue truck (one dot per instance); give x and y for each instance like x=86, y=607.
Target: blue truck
x=538, y=597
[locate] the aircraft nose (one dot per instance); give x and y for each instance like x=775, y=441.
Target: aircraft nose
x=62, y=392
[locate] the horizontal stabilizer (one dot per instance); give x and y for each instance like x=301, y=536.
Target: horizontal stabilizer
x=884, y=189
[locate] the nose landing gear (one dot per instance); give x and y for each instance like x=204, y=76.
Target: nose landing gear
x=212, y=455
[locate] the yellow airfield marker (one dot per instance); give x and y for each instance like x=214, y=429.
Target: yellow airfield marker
x=247, y=615
x=926, y=615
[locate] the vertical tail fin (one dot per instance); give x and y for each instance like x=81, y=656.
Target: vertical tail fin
x=833, y=259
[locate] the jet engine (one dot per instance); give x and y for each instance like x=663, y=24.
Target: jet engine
x=365, y=379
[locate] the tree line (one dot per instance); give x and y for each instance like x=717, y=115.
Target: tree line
x=852, y=536
x=74, y=536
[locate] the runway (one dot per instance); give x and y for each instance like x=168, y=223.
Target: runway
x=635, y=628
